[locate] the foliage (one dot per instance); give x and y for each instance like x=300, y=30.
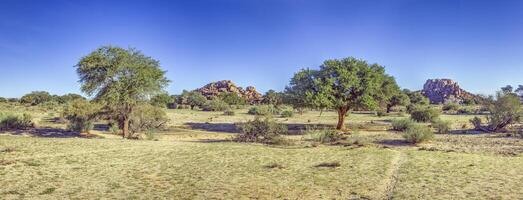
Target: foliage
x=287, y=113
x=193, y=99
x=232, y=98
x=263, y=110
x=120, y=79
x=215, y=105
x=260, y=130
x=3, y=100
x=68, y=98
x=15, y=122
x=418, y=98
x=342, y=85
x=35, y=98
x=390, y=94
x=323, y=135
x=229, y=112
x=402, y=124
x=450, y=107
x=161, y=100
x=442, y=126
x=146, y=118
x=81, y=114
x=503, y=111
x=418, y=133
x=424, y=114
x=272, y=97
x=466, y=111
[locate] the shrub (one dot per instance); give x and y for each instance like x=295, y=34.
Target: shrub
x=229, y=112
x=466, y=111
x=323, y=135
x=15, y=122
x=287, y=113
x=147, y=119
x=441, y=126
x=504, y=111
x=402, y=124
x=424, y=115
x=81, y=115
x=114, y=129
x=450, y=107
x=263, y=110
x=215, y=105
x=260, y=130
x=232, y=98
x=418, y=133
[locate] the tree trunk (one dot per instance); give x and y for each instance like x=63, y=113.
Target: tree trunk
x=125, y=129
x=388, y=108
x=341, y=118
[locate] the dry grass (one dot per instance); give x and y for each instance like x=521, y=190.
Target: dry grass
x=196, y=160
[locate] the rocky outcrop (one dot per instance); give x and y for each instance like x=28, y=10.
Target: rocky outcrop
x=213, y=89
x=445, y=91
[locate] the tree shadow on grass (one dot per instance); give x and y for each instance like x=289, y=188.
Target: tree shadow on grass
x=393, y=143
x=294, y=129
x=45, y=132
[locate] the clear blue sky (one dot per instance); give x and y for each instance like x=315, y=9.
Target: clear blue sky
x=263, y=42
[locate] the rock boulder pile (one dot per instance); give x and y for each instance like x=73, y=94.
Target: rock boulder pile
x=445, y=91
x=213, y=89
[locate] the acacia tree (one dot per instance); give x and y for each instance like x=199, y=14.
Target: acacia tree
x=120, y=79
x=343, y=85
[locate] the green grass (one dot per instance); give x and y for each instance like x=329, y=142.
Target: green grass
x=187, y=163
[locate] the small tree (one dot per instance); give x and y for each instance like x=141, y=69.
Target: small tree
x=417, y=98
x=193, y=99
x=81, y=114
x=36, y=97
x=343, y=85
x=272, y=97
x=504, y=111
x=232, y=98
x=120, y=79
x=161, y=100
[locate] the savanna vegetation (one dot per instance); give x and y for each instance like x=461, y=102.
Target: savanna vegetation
x=343, y=131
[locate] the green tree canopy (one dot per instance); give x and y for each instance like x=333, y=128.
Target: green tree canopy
x=192, y=99
x=344, y=85
x=120, y=79
x=36, y=97
x=272, y=97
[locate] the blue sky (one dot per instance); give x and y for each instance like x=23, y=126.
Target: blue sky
x=263, y=42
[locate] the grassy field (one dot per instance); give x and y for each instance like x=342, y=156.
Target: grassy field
x=195, y=160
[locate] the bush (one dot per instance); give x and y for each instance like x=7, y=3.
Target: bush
x=424, y=115
x=15, y=122
x=504, y=111
x=323, y=135
x=264, y=110
x=215, y=105
x=229, y=112
x=147, y=119
x=232, y=98
x=287, y=113
x=450, y=107
x=466, y=111
x=402, y=124
x=418, y=133
x=441, y=126
x=260, y=130
x=81, y=115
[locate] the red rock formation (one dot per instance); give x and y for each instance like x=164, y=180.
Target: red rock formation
x=215, y=88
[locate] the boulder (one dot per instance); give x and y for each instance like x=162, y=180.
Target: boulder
x=213, y=89
x=445, y=91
